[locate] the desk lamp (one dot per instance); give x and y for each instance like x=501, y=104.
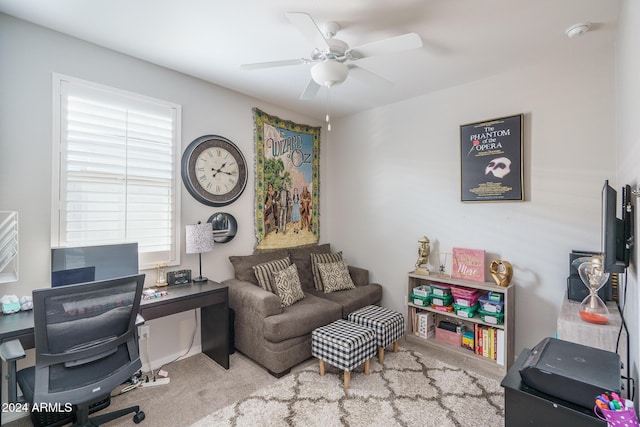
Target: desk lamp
x=199, y=239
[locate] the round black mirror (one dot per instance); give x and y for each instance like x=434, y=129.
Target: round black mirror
x=224, y=227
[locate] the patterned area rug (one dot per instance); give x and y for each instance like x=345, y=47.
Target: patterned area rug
x=410, y=390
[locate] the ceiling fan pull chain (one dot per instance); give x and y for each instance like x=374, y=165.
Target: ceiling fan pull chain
x=327, y=119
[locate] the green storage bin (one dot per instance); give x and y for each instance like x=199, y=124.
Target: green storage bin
x=464, y=311
x=491, y=318
x=441, y=300
x=421, y=300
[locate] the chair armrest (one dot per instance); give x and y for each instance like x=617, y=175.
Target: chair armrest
x=360, y=276
x=245, y=296
x=11, y=350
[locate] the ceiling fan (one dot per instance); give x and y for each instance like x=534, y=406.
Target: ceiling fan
x=332, y=59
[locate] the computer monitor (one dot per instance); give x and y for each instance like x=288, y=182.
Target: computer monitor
x=72, y=276
x=81, y=264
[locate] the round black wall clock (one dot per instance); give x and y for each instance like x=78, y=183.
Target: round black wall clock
x=214, y=170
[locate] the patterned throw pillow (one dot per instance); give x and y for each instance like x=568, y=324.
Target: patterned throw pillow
x=264, y=272
x=335, y=276
x=287, y=285
x=322, y=258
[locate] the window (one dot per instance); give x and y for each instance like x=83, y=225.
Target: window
x=115, y=170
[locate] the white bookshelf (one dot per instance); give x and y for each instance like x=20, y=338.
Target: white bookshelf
x=507, y=326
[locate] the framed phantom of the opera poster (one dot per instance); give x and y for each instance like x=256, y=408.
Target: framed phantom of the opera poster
x=491, y=160
x=287, y=182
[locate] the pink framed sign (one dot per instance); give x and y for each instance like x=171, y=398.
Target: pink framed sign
x=468, y=264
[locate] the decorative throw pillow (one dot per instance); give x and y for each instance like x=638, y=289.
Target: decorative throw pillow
x=264, y=272
x=243, y=264
x=322, y=258
x=335, y=276
x=301, y=257
x=287, y=285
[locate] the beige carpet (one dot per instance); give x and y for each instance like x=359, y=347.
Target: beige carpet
x=411, y=389
x=436, y=393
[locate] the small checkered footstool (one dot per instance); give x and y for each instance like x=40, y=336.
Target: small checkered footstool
x=344, y=345
x=388, y=324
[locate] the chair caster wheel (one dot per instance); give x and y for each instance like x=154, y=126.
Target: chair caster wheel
x=138, y=417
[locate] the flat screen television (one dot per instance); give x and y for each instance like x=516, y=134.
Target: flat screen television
x=617, y=233
x=93, y=263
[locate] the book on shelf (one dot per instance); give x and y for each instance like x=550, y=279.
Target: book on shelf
x=423, y=322
x=489, y=343
x=500, y=347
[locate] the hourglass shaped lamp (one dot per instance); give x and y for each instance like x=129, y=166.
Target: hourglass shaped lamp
x=592, y=308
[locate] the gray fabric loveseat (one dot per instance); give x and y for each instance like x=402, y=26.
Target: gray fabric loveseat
x=279, y=337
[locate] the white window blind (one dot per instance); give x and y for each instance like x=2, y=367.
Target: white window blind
x=8, y=247
x=118, y=171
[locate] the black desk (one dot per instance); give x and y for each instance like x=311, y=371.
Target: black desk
x=211, y=297
x=525, y=406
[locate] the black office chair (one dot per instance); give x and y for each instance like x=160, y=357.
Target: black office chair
x=86, y=345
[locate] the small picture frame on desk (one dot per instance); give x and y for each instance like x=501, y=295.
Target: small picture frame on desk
x=179, y=277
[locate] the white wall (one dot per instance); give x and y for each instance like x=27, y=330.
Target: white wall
x=628, y=157
x=28, y=56
x=394, y=176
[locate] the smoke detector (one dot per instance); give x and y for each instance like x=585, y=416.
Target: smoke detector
x=577, y=29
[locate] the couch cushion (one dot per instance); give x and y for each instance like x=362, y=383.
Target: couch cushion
x=286, y=284
x=318, y=259
x=264, y=272
x=301, y=318
x=335, y=276
x=243, y=265
x=352, y=299
x=301, y=256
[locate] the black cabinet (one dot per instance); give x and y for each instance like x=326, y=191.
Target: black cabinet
x=525, y=406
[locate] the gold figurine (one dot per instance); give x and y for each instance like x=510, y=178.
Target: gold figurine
x=502, y=272
x=423, y=256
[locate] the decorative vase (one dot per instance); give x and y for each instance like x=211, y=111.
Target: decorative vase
x=592, y=308
x=501, y=272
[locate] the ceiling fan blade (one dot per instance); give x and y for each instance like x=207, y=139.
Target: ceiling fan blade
x=386, y=46
x=271, y=64
x=311, y=90
x=368, y=77
x=308, y=27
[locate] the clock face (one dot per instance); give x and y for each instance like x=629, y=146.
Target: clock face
x=217, y=170
x=214, y=170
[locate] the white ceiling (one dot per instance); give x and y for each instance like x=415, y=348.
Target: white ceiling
x=463, y=40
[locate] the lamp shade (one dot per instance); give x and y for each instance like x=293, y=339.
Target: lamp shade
x=199, y=238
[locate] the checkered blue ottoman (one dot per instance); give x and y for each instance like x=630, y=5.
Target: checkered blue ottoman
x=388, y=324
x=344, y=345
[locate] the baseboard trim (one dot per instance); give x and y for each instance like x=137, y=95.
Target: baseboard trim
x=157, y=363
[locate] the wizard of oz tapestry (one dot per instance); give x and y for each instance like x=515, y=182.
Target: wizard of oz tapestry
x=287, y=182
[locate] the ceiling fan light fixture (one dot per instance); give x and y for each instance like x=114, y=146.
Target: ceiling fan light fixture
x=329, y=73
